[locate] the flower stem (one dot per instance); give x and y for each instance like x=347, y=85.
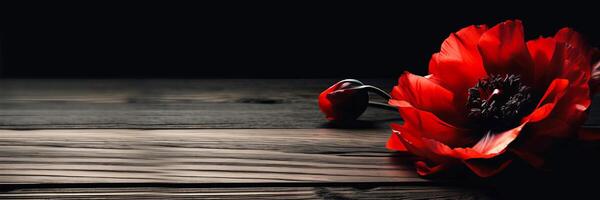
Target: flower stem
x=351, y=81
x=369, y=88
x=375, y=90
x=382, y=94
x=384, y=106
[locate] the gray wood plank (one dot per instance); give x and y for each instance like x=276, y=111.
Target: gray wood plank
x=199, y=156
x=339, y=193
x=158, y=104
x=207, y=103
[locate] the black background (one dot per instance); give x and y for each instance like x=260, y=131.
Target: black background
x=250, y=39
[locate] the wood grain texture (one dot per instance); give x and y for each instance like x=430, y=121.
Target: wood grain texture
x=221, y=103
x=199, y=156
x=330, y=193
x=258, y=139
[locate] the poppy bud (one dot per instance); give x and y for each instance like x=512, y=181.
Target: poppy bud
x=344, y=101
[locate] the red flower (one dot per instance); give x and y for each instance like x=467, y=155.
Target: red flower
x=343, y=101
x=490, y=93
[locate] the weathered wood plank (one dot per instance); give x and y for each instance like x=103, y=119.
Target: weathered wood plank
x=199, y=156
x=224, y=103
x=341, y=193
x=213, y=103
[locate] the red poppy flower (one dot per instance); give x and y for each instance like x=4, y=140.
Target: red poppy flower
x=490, y=93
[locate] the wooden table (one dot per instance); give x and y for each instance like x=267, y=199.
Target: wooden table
x=214, y=139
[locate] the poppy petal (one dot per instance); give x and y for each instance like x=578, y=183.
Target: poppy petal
x=573, y=106
x=428, y=125
x=575, y=59
x=413, y=142
x=541, y=112
x=570, y=102
x=595, y=74
x=487, y=167
x=424, y=170
x=496, y=143
x=491, y=145
x=533, y=159
x=503, y=51
x=394, y=143
x=571, y=37
x=424, y=94
x=459, y=153
x=555, y=91
x=572, y=58
x=553, y=94
x=533, y=146
x=458, y=65
x=325, y=104
x=542, y=52
x=577, y=69
x=545, y=126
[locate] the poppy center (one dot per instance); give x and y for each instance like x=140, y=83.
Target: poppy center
x=498, y=102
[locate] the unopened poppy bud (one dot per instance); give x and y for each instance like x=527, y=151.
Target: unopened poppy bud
x=344, y=101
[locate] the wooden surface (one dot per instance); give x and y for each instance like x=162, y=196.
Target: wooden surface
x=331, y=193
x=161, y=104
x=198, y=156
x=210, y=139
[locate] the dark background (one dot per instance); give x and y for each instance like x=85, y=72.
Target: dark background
x=250, y=39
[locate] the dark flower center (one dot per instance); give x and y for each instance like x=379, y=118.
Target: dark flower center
x=498, y=102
